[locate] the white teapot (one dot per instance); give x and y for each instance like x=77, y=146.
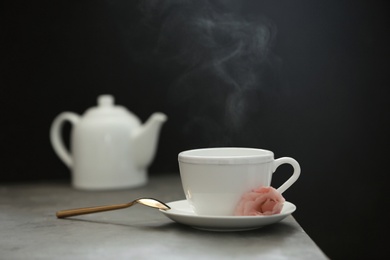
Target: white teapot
x=110, y=149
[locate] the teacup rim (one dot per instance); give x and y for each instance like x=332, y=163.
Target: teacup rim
x=251, y=156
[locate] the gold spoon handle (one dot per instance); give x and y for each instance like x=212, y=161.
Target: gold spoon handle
x=81, y=211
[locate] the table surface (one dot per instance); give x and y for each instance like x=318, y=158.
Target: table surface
x=30, y=230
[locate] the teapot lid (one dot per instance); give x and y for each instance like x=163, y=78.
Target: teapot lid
x=106, y=107
x=105, y=100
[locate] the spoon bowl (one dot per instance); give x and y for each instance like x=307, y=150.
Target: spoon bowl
x=150, y=202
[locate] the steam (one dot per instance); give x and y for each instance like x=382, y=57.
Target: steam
x=221, y=56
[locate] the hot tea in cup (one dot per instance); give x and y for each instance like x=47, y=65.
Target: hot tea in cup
x=214, y=179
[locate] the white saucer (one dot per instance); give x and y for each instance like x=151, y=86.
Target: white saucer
x=181, y=212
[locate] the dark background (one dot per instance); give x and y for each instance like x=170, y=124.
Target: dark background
x=306, y=79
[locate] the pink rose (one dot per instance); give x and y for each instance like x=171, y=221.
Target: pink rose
x=260, y=201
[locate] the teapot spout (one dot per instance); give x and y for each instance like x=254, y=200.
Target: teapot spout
x=146, y=138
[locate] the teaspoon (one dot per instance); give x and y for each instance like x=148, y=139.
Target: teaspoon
x=150, y=202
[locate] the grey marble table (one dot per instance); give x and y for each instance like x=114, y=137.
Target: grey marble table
x=30, y=230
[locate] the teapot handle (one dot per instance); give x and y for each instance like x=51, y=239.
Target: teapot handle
x=56, y=139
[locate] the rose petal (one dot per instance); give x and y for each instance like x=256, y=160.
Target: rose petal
x=260, y=201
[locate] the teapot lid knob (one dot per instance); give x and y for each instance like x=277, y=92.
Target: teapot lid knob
x=105, y=100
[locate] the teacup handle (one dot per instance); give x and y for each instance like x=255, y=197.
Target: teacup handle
x=294, y=176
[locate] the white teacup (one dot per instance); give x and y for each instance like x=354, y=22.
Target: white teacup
x=214, y=179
